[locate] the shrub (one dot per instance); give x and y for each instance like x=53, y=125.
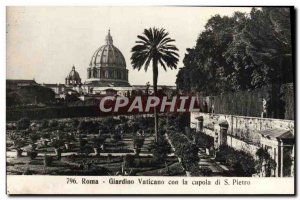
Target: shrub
x=189, y=133
x=87, y=149
x=129, y=160
x=181, y=121
x=47, y=160
x=138, y=142
x=34, y=137
x=185, y=149
x=99, y=141
x=53, y=123
x=13, y=136
x=123, y=119
x=205, y=171
x=242, y=162
x=19, y=143
x=145, y=162
x=24, y=133
x=82, y=142
x=44, y=124
x=162, y=123
x=116, y=137
x=27, y=171
x=109, y=157
x=190, y=156
x=23, y=123
x=245, y=164
x=57, y=143
x=287, y=161
x=88, y=126
x=224, y=154
x=265, y=160
x=32, y=154
x=75, y=123
x=203, y=140
x=160, y=149
x=10, y=126
x=68, y=138
x=58, y=134
x=109, y=122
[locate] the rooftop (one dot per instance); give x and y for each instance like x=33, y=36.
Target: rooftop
x=277, y=133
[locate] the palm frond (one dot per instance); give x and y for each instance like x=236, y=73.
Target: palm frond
x=154, y=44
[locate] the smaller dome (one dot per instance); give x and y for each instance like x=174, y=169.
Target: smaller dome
x=74, y=75
x=73, y=78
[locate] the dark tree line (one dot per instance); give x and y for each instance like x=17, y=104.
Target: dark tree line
x=33, y=94
x=241, y=52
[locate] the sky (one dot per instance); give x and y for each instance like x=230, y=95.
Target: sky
x=43, y=43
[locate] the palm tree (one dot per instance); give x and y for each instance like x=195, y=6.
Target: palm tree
x=154, y=45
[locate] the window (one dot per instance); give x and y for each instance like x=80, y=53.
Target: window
x=111, y=74
x=106, y=74
x=89, y=73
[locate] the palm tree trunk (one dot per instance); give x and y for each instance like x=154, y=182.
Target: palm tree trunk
x=155, y=77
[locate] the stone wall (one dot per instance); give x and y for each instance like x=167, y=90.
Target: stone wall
x=241, y=145
x=242, y=130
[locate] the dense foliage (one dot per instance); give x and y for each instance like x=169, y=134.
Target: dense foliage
x=160, y=149
x=185, y=149
x=241, y=52
x=203, y=140
x=265, y=162
x=243, y=163
x=32, y=95
x=23, y=123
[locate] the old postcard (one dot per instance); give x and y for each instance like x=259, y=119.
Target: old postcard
x=150, y=100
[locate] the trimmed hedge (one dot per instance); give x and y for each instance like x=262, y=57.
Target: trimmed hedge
x=51, y=112
x=242, y=162
x=203, y=140
x=250, y=103
x=185, y=149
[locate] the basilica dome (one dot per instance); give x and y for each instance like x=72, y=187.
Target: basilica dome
x=107, y=66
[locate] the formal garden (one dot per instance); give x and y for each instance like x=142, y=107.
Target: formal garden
x=90, y=146
x=125, y=146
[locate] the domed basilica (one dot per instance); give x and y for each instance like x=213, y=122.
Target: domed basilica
x=107, y=67
x=106, y=72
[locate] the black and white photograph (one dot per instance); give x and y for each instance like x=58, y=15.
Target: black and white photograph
x=130, y=97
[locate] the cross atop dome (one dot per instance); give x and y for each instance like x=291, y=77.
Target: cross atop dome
x=108, y=38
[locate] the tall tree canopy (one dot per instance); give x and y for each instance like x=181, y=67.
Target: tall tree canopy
x=241, y=52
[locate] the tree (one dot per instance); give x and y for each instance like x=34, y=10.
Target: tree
x=154, y=46
x=268, y=42
x=237, y=55
x=98, y=144
x=205, y=67
x=18, y=142
x=32, y=94
x=160, y=149
x=23, y=123
x=242, y=52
